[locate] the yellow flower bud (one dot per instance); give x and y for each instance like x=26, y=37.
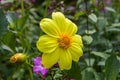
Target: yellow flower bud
x=18, y=57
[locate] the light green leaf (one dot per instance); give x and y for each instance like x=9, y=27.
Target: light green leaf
x=90, y=31
x=88, y=39
x=7, y=48
x=113, y=29
x=90, y=62
x=93, y=17
x=110, y=9
x=12, y=19
x=100, y=54
x=115, y=25
x=57, y=76
x=79, y=14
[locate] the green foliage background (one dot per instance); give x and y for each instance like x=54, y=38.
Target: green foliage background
x=98, y=24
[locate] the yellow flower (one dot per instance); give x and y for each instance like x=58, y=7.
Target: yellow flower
x=60, y=43
x=18, y=57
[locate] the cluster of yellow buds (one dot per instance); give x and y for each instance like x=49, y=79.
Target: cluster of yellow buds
x=18, y=57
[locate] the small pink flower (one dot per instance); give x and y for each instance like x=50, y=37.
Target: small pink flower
x=108, y=2
x=38, y=68
x=1, y=0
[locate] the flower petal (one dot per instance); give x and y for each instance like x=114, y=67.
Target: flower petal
x=77, y=39
x=76, y=47
x=76, y=52
x=65, y=60
x=40, y=69
x=48, y=60
x=71, y=28
x=47, y=44
x=59, y=18
x=49, y=27
x=64, y=24
x=44, y=71
x=37, y=61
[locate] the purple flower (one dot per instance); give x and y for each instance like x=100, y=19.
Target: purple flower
x=38, y=68
x=108, y=1
x=1, y=0
x=102, y=8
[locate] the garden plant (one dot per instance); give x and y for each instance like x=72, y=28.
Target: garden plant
x=59, y=39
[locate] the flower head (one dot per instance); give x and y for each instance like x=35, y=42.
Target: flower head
x=38, y=68
x=108, y=2
x=60, y=43
x=18, y=57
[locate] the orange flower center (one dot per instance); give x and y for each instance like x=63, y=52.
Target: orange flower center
x=13, y=59
x=65, y=41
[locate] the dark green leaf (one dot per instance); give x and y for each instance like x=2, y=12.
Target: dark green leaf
x=112, y=67
x=90, y=74
x=9, y=41
x=22, y=21
x=75, y=71
x=3, y=23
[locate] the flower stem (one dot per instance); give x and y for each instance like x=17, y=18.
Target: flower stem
x=47, y=4
x=87, y=24
x=22, y=7
x=103, y=7
x=30, y=70
x=31, y=75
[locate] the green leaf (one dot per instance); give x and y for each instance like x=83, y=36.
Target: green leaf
x=56, y=76
x=12, y=19
x=90, y=62
x=90, y=74
x=3, y=23
x=113, y=29
x=75, y=71
x=115, y=25
x=78, y=2
x=112, y=67
x=18, y=74
x=88, y=39
x=9, y=41
x=22, y=21
x=110, y=9
x=7, y=48
x=93, y=1
x=93, y=17
x=100, y=54
x=102, y=22
x=90, y=31
x=78, y=14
